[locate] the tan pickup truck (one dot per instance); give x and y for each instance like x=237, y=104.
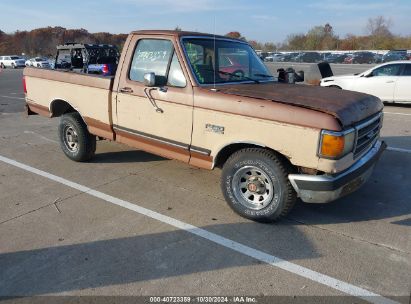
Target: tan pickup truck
x=210, y=102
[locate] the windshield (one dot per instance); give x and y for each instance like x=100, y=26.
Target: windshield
x=222, y=61
x=14, y=57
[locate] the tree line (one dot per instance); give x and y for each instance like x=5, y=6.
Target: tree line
x=378, y=36
x=43, y=41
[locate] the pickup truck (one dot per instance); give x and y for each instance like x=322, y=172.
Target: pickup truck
x=175, y=95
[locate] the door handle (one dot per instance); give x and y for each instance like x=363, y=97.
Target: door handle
x=390, y=81
x=126, y=90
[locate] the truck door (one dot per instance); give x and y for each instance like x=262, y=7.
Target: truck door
x=155, y=119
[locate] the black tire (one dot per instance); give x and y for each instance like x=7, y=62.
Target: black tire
x=2, y=66
x=75, y=140
x=272, y=169
x=13, y=65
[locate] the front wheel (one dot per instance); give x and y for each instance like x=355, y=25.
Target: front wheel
x=13, y=65
x=2, y=66
x=75, y=140
x=255, y=185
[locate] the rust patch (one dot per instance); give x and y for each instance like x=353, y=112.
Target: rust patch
x=347, y=106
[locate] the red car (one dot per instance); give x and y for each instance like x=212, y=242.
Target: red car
x=230, y=65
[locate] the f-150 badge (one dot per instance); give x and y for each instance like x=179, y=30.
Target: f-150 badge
x=214, y=128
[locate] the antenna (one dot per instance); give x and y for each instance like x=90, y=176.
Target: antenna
x=215, y=52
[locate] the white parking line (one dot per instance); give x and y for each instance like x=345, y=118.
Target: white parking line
x=215, y=238
x=396, y=113
x=11, y=97
x=399, y=150
x=41, y=136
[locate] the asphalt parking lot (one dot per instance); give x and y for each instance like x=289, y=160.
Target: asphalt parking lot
x=130, y=223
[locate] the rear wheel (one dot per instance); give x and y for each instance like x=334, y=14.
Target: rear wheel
x=75, y=140
x=2, y=65
x=255, y=185
x=13, y=65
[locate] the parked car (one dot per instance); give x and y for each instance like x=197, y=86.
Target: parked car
x=38, y=62
x=278, y=57
x=390, y=82
x=336, y=58
x=348, y=59
x=230, y=65
x=167, y=98
x=363, y=57
x=394, y=56
x=290, y=57
x=309, y=57
x=378, y=58
x=11, y=62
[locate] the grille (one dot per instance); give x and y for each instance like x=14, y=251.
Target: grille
x=367, y=134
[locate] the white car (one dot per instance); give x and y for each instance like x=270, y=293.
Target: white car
x=391, y=82
x=11, y=62
x=38, y=62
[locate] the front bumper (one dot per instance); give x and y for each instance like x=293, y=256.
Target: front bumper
x=326, y=188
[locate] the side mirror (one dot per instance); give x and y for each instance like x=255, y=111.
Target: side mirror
x=150, y=79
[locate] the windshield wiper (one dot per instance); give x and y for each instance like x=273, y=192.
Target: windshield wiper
x=239, y=76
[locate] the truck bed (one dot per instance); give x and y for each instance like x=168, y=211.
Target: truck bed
x=84, y=92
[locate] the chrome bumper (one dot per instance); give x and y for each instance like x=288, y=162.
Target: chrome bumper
x=326, y=188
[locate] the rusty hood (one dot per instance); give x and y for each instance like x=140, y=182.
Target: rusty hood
x=347, y=106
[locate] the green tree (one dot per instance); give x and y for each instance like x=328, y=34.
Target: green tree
x=321, y=38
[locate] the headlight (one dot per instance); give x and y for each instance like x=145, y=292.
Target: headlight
x=335, y=145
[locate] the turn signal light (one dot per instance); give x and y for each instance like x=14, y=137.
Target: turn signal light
x=332, y=146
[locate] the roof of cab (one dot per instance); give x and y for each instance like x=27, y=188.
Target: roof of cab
x=179, y=34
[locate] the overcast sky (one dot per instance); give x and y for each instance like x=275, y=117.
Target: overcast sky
x=262, y=20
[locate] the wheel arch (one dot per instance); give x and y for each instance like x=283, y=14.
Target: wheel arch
x=61, y=106
x=227, y=150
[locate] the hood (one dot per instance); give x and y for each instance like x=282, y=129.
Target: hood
x=347, y=106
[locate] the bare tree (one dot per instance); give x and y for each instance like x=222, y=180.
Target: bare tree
x=379, y=30
x=379, y=26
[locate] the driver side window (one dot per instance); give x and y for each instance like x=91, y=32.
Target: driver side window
x=388, y=70
x=157, y=56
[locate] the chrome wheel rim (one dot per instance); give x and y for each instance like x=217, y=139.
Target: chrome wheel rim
x=252, y=187
x=71, y=139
